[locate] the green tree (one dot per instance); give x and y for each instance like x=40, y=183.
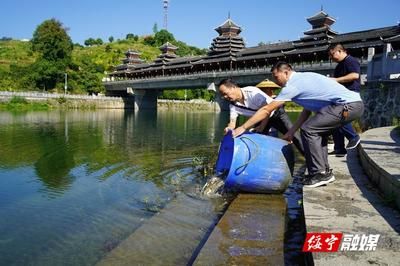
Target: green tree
x=46, y=73
x=111, y=39
x=86, y=76
x=89, y=42
x=149, y=40
x=99, y=41
x=130, y=36
x=185, y=49
x=162, y=37
x=51, y=40
x=55, y=47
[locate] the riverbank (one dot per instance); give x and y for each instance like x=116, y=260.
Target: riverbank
x=32, y=101
x=35, y=101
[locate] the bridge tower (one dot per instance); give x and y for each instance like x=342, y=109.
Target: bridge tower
x=229, y=40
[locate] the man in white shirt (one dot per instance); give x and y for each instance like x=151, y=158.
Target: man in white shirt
x=246, y=101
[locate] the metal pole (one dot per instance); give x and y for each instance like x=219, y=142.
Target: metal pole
x=65, y=83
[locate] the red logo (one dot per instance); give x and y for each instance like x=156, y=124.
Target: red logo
x=322, y=242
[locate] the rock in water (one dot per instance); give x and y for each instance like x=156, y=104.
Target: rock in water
x=213, y=187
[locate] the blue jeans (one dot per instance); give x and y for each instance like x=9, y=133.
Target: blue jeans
x=339, y=134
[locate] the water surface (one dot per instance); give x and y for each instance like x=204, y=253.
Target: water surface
x=80, y=188
x=74, y=185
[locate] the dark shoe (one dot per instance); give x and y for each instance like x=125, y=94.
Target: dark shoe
x=319, y=179
x=337, y=153
x=353, y=143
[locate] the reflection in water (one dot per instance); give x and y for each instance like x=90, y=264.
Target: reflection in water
x=74, y=184
x=57, y=160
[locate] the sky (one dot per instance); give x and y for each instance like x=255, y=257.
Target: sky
x=192, y=22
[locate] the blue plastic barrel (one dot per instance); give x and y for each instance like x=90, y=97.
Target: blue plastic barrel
x=254, y=163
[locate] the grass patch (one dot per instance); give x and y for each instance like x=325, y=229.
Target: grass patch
x=18, y=103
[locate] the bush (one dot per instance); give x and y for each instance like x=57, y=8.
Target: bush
x=62, y=100
x=18, y=100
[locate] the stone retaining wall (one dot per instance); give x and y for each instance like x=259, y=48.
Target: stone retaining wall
x=187, y=105
x=382, y=104
x=378, y=151
x=74, y=101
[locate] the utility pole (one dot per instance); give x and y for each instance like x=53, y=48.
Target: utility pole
x=165, y=14
x=65, y=83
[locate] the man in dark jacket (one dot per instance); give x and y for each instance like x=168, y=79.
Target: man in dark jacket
x=347, y=73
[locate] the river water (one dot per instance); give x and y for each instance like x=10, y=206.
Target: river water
x=74, y=185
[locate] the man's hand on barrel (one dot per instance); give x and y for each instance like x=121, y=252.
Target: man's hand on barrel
x=289, y=136
x=238, y=131
x=227, y=129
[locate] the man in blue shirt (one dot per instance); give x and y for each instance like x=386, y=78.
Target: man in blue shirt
x=332, y=104
x=347, y=72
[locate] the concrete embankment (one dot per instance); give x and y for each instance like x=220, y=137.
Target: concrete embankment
x=194, y=105
x=355, y=205
x=68, y=101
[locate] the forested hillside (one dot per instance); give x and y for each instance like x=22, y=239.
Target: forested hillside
x=41, y=63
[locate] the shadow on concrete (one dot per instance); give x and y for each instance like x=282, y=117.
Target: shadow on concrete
x=395, y=135
x=371, y=191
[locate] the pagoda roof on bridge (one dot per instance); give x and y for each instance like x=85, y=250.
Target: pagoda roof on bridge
x=266, y=49
x=393, y=39
x=316, y=37
x=380, y=33
x=324, y=29
x=228, y=39
x=308, y=50
x=260, y=56
x=314, y=43
x=230, y=48
x=364, y=38
x=228, y=26
x=321, y=19
x=168, y=47
x=186, y=59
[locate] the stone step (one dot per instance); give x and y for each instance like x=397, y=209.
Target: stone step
x=170, y=237
x=251, y=232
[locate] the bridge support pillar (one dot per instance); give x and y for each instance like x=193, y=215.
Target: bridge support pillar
x=145, y=99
